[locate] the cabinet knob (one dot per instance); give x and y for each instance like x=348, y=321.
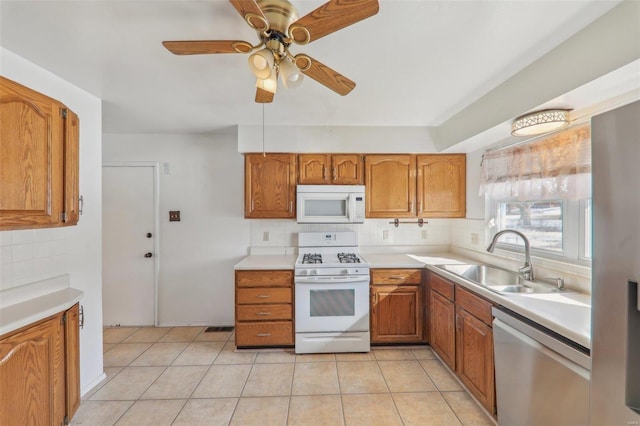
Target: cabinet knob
x=148, y=255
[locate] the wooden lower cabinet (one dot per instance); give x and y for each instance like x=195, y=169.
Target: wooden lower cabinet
x=39, y=372
x=443, y=341
x=474, y=357
x=397, y=311
x=462, y=336
x=264, y=308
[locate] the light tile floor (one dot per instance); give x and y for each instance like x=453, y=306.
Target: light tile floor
x=185, y=376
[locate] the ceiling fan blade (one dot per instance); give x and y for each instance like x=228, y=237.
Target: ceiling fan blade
x=330, y=17
x=252, y=14
x=263, y=96
x=197, y=47
x=324, y=75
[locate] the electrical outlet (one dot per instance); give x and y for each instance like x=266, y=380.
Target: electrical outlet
x=424, y=234
x=385, y=234
x=174, y=215
x=475, y=239
x=265, y=236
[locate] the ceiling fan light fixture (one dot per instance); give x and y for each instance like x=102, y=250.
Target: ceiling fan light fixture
x=261, y=63
x=290, y=74
x=269, y=84
x=539, y=122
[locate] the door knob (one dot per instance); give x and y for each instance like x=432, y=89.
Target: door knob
x=149, y=235
x=148, y=254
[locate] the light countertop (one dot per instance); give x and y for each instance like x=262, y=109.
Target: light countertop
x=31, y=303
x=267, y=261
x=568, y=313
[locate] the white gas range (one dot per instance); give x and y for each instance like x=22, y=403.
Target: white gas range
x=331, y=294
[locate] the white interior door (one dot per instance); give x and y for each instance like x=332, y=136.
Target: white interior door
x=128, y=245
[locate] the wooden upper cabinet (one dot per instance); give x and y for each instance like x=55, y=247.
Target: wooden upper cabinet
x=390, y=185
x=347, y=169
x=441, y=185
x=38, y=160
x=71, y=168
x=314, y=169
x=270, y=186
x=338, y=169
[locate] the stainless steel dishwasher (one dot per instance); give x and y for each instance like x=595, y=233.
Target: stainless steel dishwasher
x=541, y=377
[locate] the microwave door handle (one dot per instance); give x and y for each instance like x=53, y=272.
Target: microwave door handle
x=352, y=208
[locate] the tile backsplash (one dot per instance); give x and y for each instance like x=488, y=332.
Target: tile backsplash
x=373, y=232
x=31, y=255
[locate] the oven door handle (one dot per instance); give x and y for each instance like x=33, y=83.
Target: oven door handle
x=331, y=280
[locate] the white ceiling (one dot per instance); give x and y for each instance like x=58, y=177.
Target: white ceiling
x=416, y=63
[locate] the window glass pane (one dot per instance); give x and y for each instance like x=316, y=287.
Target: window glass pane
x=540, y=221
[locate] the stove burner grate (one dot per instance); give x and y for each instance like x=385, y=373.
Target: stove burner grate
x=348, y=258
x=308, y=258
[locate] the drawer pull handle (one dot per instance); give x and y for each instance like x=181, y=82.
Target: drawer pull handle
x=396, y=277
x=263, y=334
x=264, y=313
x=263, y=296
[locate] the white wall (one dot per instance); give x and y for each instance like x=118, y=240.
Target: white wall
x=335, y=139
x=206, y=183
x=32, y=255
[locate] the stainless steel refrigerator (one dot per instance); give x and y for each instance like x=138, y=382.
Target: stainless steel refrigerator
x=615, y=340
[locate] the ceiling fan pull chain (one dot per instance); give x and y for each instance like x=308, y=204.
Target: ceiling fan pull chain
x=264, y=154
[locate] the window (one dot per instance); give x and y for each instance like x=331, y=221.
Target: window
x=559, y=229
x=542, y=188
x=540, y=221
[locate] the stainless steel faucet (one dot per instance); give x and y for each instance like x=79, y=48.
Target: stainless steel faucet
x=527, y=269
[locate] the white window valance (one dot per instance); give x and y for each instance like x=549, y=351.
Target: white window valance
x=553, y=167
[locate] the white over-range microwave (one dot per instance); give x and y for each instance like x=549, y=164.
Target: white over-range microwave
x=330, y=203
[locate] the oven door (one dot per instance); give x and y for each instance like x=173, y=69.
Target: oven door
x=332, y=304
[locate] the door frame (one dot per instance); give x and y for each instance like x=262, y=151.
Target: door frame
x=155, y=166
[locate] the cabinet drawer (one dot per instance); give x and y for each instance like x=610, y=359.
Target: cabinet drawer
x=441, y=285
x=264, y=278
x=473, y=304
x=247, y=296
x=396, y=276
x=264, y=333
x=264, y=312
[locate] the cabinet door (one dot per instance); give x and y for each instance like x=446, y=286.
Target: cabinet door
x=396, y=314
x=390, y=185
x=71, y=168
x=314, y=169
x=442, y=328
x=347, y=169
x=32, y=375
x=442, y=185
x=72, y=360
x=31, y=158
x=270, y=186
x=474, y=357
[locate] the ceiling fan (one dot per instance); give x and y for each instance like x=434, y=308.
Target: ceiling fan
x=278, y=25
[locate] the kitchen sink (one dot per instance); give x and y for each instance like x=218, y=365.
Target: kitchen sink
x=497, y=279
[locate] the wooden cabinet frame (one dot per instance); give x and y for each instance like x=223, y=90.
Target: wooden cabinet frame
x=415, y=185
x=462, y=336
x=337, y=169
x=39, y=142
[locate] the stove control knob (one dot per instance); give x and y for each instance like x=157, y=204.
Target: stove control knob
x=345, y=272
x=304, y=272
x=314, y=272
